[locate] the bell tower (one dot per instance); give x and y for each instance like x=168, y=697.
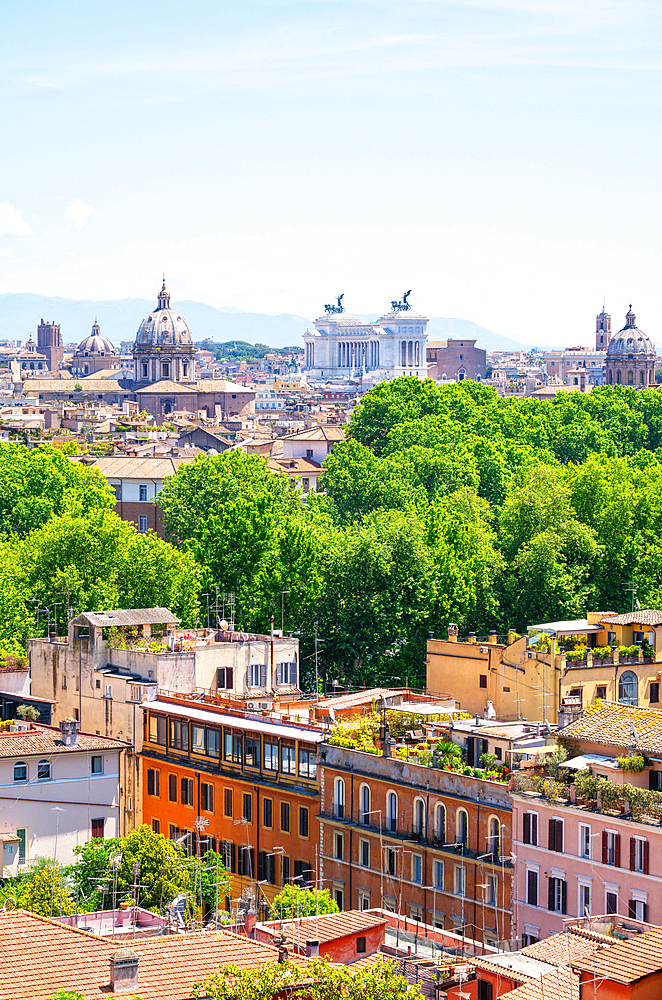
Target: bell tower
x=602, y=330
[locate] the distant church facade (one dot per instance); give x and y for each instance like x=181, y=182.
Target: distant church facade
x=340, y=345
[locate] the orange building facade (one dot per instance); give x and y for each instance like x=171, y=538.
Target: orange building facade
x=427, y=843
x=243, y=785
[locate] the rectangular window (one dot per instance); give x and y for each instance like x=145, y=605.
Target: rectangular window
x=338, y=846
x=482, y=680
x=499, y=753
x=22, y=843
x=179, y=735
x=98, y=827
x=288, y=764
x=225, y=678
x=557, y=895
x=227, y=744
x=156, y=825
x=655, y=692
x=492, y=890
x=639, y=855
x=390, y=861
x=268, y=813
x=611, y=849
x=484, y=990
x=638, y=910
x=360, y=946
x=532, y=887
x=143, y=492
x=438, y=873
x=213, y=737
x=270, y=756
x=206, y=797
x=153, y=779
x=612, y=902
x=246, y=860
x=236, y=748
x=601, y=691
x=530, y=828
x=172, y=787
x=247, y=807
x=135, y=692
x=584, y=906
x=284, y=869
x=227, y=802
x=303, y=821
x=96, y=764
x=198, y=739
x=338, y=896
x=555, y=838
x=252, y=751
x=307, y=763
x=64, y=682
x=460, y=880
x=256, y=676
x=364, y=853
x=285, y=817
x=286, y=673
x=187, y=792
x=142, y=522
x=417, y=868
x=584, y=841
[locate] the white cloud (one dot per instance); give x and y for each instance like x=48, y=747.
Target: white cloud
x=11, y=222
x=78, y=212
x=6, y=252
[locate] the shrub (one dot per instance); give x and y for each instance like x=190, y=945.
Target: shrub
x=634, y=763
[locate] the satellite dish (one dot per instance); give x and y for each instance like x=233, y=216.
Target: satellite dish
x=224, y=625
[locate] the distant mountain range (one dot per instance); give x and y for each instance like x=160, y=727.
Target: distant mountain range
x=119, y=319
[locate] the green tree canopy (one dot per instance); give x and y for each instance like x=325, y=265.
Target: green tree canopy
x=296, y=902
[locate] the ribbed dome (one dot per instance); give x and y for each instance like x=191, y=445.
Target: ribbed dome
x=630, y=340
x=164, y=326
x=96, y=344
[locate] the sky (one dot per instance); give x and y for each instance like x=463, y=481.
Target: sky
x=498, y=157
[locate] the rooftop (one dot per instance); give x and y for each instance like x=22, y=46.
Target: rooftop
x=359, y=698
x=635, y=618
x=617, y=725
x=125, y=467
x=322, y=432
x=627, y=961
x=330, y=926
x=560, y=984
x=257, y=724
x=135, y=616
x=39, y=741
x=41, y=956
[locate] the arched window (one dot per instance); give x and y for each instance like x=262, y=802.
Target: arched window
x=440, y=822
x=641, y=378
x=461, y=374
x=44, y=770
x=628, y=693
x=365, y=804
x=618, y=378
x=419, y=817
x=20, y=771
x=494, y=837
x=339, y=798
x=610, y=378
x=392, y=812
x=462, y=827
x=630, y=378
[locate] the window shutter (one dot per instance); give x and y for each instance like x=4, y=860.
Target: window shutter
x=532, y=888
x=559, y=837
x=278, y=674
x=534, y=830
x=261, y=858
x=604, y=847
x=550, y=892
x=564, y=896
x=632, y=909
x=526, y=832
x=293, y=673
x=233, y=859
x=551, y=838
x=617, y=850
x=272, y=870
x=631, y=854
x=228, y=677
x=646, y=912
x=263, y=675
x=646, y=856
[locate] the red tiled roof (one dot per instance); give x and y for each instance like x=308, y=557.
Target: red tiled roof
x=332, y=926
x=41, y=956
x=627, y=961
x=560, y=985
x=611, y=724
x=570, y=946
x=46, y=740
x=635, y=618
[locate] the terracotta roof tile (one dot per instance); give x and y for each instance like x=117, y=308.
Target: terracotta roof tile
x=41, y=956
x=46, y=740
x=635, y=618
x=560, y=985
x=570, y=946
x=611, y=724
x=627, y=961
x=331, y=926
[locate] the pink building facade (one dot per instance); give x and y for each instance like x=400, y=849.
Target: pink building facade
x=573, y=859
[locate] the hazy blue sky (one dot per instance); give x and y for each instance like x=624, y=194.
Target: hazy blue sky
x=499, y=157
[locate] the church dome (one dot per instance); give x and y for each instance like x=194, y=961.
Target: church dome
x=164, y=327
x=630, y=340
x=96, y=344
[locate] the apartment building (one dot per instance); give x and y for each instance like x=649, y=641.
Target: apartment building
x=578, y=856
x=245, y=784
x=427, y=843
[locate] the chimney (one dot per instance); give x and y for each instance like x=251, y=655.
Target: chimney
x=452, y=632
x=69, y=732
x=472, y=637
x=492, y=638
x=124, y=971
x=312, y=949
x=249, y=922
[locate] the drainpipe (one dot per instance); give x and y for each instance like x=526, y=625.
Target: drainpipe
x=273, y=686
x=351, y=831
